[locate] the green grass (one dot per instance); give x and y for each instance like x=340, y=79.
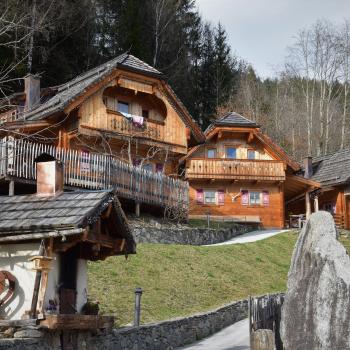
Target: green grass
x=182, y=280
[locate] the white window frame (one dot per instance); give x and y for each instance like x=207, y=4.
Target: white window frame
x=215, y=197
x=254, y=202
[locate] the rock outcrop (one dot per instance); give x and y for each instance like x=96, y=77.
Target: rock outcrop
x=316, y=310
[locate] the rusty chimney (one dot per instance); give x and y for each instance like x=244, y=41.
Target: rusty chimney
x=49, y=175
x=32, y=91
x=308, y=171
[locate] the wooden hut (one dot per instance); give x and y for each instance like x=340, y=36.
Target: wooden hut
x=46, y=240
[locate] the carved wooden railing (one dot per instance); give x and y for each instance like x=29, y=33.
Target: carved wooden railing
x=240, y=169
x=149, y=129
x=95, y=171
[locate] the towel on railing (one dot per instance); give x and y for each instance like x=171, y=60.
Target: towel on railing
x=137, y=120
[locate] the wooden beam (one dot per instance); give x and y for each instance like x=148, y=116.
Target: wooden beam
x=250, y=137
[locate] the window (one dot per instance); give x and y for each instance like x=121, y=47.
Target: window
x=330, y=207
x=147, y=166
x=209, y=197
x=254, y=198
x=231, y=152
x=211, y=153
x=123, y=107
x=251, y=154
x=145, y=113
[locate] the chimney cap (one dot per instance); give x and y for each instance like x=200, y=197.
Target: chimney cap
x=44, y=157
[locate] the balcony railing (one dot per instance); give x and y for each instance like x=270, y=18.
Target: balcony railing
x=149, y=129
x=240, y=169
x=95, y=171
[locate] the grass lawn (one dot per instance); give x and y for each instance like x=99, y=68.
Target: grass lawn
x=182, y=280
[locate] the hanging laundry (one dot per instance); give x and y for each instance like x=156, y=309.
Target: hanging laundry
x=137, y=120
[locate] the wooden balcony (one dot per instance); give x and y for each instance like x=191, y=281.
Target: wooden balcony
x=150, y=129
x=237, y=169
x=95, y=171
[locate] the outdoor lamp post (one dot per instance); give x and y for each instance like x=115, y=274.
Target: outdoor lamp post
x=138, y=293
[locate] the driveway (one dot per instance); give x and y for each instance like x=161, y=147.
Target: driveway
x=251, y=237
x=234, y=337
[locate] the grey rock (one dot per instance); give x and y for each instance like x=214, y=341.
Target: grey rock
x=316, y=310
x=28, y=333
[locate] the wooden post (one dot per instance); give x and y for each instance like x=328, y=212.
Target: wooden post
x=316, y=204
x=307, y=205
x=137, y=209
x=11, y=188
x=36, y=287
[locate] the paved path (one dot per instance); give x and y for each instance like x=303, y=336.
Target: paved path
x=251, y=237
x=235, y=337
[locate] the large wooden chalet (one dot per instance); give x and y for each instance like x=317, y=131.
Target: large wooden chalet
x=239, y=173
x=119, y=125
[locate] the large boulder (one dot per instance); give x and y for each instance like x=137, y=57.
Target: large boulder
x=316, y=310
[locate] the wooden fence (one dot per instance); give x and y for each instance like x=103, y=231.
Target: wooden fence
x=265, y=313
x=95, y=171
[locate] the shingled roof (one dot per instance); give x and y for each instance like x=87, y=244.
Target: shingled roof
x=332, y=169
x=235, y=119
x=54, y=215
x=75, y=87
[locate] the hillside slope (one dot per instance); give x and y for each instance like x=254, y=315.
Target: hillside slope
x=182, y=280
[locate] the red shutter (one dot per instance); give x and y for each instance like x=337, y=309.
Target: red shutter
x=245, y=197
x=200, y=196
x=221, y=197
x=266, y=198
x=159, y=167
x=136, y=162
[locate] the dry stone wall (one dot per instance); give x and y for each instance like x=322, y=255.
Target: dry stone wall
x=191, y=236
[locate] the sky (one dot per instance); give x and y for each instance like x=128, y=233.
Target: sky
x=259, y=31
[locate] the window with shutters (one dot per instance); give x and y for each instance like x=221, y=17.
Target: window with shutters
x=209, y=197
x=254, y=198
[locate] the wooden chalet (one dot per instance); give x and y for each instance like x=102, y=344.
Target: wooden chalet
x=332, y=172
x=119, y=125
x=240, y=174
x=46, y=240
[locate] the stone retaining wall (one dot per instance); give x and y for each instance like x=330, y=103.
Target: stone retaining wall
x=192, y=236
x=164, y=335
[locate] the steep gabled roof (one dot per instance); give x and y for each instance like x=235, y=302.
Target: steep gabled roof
x=65, y=212
x=69, y=91
x=235, y=120
x=332, y=169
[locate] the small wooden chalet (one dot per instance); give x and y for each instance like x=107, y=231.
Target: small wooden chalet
x=240, y=174
x=46, y=240
x=332, y=172
x=106, y=125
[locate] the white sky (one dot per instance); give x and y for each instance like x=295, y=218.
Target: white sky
x=259, y=31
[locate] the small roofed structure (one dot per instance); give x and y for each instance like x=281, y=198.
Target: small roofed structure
x=46, y=240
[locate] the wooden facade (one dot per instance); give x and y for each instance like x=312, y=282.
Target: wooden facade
x=240, y=174
x=122, y=111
